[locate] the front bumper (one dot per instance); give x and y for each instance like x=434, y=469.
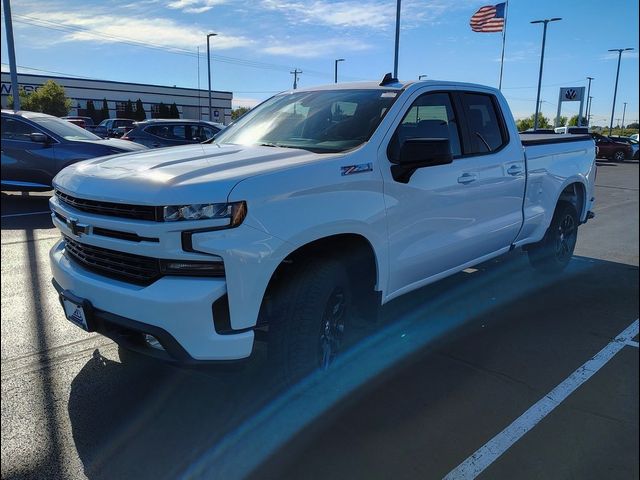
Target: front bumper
x=175, y=310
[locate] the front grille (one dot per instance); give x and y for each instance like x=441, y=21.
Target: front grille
x=139, y=212
x=119, y=265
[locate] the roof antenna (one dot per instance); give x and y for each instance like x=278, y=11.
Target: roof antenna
x=387, y=79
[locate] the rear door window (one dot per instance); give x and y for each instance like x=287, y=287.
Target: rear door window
x=485, y=124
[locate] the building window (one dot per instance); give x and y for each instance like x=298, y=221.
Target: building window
x=120, y=108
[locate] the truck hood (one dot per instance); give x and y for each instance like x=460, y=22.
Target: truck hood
x=176, y=175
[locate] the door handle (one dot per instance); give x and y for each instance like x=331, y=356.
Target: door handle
x=514, y=170
x=467, y=178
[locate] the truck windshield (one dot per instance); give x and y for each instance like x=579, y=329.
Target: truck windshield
x=326, y=121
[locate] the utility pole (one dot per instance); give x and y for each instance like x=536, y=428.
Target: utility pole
x=615, y=89
x=588, y=97
x=8, y=24
x=395, y=58
x=209, y=71
x=624, y=110
x=335, y=70
x=199, y=108
x=295, y=74
x=544, y=39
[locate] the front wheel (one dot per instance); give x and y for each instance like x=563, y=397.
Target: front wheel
x=313, y=310
x=554, y=251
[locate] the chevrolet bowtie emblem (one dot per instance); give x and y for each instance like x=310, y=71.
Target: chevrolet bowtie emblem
x=78, y=228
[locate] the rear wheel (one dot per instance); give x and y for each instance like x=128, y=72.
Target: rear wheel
x=554, y=251
x=311, y=316
x=619, y=156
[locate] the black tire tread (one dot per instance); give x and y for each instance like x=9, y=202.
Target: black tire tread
x=539, y=254
x=294, y=329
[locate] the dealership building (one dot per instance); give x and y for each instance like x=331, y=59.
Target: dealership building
x=191, y=102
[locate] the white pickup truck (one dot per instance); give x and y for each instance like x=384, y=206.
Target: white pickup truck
x=316, y=202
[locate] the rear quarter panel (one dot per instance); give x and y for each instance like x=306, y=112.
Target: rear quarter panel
x=550, y=169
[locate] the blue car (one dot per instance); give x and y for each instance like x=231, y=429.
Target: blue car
x=36, y=146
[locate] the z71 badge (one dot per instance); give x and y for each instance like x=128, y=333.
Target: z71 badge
x=360, y=168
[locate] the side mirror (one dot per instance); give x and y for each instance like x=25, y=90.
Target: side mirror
x=418, y=153
x=39, y=137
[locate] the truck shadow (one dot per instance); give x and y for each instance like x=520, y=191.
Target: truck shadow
x=138, y=418
x=31, y=211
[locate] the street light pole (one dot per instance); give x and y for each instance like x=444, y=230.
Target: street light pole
x=209, y=71
x=12, y=55
x=395, y=58
x=589, y=100
x=544, y=39
x=588, y=97
x=335, y=70
x=624, y=110
x=615, y=90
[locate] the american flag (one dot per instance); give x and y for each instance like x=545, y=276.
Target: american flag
x=488, y=19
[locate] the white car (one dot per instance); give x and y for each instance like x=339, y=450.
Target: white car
x=314, y=203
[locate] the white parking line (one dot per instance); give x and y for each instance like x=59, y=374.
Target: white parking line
x=492, y=450
x=23, y=214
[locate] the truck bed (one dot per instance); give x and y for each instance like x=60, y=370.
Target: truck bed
x=528, y=139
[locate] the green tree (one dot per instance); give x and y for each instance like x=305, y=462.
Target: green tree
x=128, y=110
x=104, y=112
x=562, y=121
x=527, y=123
x=173, y=111
x=91, y=111
x=573, y=121
x=163, y=111
x=633, y=126
x=238, y=112
x=139, y=113
x=49, y=98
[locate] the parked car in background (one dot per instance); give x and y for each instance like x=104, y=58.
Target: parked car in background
x=573, y=130
x=611, y=149
x=113, y=127
x=77, y=121
x=634, y=137
x=36, y=146
x=630, y=141
x=167, y=133
x=540, y=131
x=85, y=122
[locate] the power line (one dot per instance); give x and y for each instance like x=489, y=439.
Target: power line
x=42, y=23
x=547, y=85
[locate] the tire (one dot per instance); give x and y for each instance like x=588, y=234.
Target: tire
x=618, y=156
x=553, y=253
x=311, y=315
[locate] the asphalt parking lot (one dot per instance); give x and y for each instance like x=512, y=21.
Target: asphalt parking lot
x=477, y=374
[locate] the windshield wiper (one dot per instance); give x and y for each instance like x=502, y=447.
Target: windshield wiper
x=267, y=144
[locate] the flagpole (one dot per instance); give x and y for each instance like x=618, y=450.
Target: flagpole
x=504, y=37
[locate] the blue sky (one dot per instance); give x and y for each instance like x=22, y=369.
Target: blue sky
x=260, y=41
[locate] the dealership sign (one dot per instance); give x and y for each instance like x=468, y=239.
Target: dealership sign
x=570, y=94
x=5, y=88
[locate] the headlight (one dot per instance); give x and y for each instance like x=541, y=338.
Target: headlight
x=235, y=212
